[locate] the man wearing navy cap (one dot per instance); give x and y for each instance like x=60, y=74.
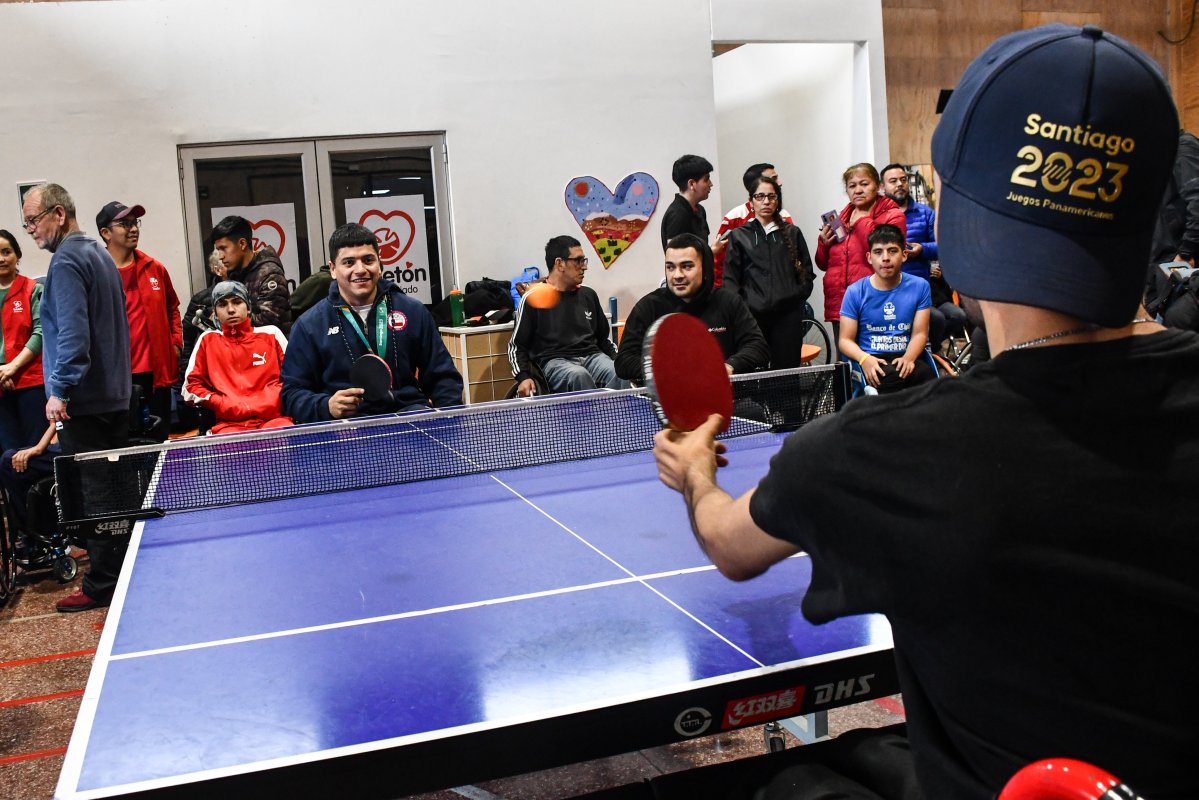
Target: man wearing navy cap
x=1036, y=613
x=155, y=327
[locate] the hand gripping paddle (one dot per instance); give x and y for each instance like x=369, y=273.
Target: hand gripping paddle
x=371, y=374
x=685, y=373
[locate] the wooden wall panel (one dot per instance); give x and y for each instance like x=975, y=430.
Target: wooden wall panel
x=929, y=43
x=1184, y=63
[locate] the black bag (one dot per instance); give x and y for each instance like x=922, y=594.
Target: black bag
x=486, y=295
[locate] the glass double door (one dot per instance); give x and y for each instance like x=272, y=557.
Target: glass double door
x=296, y=193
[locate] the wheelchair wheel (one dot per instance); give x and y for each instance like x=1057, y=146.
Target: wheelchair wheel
x=65, y=568
x=8, y=563
x=963, y=361
x=814, y=333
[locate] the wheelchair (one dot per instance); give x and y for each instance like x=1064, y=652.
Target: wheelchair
x=815, y=334
x=46, y=547
x=859, y=386
x=8, y=558
x=543, y=388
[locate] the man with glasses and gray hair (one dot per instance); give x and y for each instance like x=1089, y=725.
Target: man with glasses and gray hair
x=568, y=339
x=85, y=353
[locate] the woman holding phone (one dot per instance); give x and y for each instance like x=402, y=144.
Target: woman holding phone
x=768, y=265
x=842, y=250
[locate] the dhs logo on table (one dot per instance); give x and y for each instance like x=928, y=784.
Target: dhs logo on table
x=843, y=690
x=113, y=526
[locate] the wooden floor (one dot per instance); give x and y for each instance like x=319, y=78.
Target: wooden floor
x=45, y=658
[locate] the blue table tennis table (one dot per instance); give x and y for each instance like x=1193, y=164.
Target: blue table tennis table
x=401, y=638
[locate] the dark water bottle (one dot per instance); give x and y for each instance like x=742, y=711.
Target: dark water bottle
x=612, y=310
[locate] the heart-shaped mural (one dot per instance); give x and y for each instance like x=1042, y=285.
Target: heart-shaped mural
x=612, y=221
x=395, y=232
x=267, y=232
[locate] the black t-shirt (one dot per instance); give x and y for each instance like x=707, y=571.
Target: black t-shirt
x=1030, y=531
x=679, y=218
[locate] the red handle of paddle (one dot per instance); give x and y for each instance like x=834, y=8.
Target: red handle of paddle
x=1064, y=779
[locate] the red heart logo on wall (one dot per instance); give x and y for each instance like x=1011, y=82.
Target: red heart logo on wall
x=395, y=232
x=271, y=233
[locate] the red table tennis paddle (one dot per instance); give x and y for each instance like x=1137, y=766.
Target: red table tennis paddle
x=685, y=373
x=371, y=374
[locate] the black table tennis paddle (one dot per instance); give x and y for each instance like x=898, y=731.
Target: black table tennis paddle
x=685, y=373
x=371, y=374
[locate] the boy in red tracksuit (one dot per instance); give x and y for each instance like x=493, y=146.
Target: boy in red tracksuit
x=235, y=371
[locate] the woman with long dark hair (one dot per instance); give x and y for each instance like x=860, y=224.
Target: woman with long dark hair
x=22, y=395
x=768, y=264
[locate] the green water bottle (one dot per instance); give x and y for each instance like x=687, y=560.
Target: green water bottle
x=457, y=312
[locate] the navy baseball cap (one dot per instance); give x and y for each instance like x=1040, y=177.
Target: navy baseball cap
x=116, y=210
x=1053, y=153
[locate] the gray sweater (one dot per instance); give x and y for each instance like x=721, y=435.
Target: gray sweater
x=85, y=332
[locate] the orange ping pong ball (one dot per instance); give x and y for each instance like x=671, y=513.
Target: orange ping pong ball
x=543, y=296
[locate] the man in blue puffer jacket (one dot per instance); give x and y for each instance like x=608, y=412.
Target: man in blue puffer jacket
x=364, y=314
x=946, y=316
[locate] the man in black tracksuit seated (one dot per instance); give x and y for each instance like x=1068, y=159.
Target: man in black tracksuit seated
x=689, y=289
x=568, y=338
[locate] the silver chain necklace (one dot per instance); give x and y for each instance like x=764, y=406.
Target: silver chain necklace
x=1068, y=332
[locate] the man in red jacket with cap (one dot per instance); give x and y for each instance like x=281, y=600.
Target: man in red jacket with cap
x=155, y=328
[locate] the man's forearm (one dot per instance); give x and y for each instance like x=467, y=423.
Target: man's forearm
x=725, y=531
x=915, y=346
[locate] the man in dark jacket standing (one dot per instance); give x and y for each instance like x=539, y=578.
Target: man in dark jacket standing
x=85, y=350
x=261, y=271
x=1176, y=239
x=689, y=290
x=364, y=314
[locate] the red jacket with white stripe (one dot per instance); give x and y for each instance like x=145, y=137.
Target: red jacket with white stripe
x=235, y=372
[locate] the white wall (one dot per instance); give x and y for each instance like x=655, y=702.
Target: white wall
x=98, y=95
x=820, y=21
x=787, y=104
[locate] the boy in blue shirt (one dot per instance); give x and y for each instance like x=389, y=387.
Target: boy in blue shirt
x=884, y=318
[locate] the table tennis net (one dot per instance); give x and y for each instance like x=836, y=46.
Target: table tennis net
x=206, y=472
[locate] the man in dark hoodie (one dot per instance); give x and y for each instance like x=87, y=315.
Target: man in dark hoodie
x=364, y=313
x=260, y=271
x=689, y=289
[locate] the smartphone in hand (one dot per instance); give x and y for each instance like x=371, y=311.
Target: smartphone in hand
x=833, y=220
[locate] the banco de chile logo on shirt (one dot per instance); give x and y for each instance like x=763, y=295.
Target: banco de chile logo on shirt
x=888, y=310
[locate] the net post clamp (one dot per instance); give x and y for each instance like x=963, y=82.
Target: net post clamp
x=106, y=525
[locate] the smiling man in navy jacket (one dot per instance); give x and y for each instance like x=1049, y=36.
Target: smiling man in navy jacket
x=364, y=314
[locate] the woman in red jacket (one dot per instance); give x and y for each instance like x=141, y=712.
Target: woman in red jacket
x=844, y=259
x=22, y=396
